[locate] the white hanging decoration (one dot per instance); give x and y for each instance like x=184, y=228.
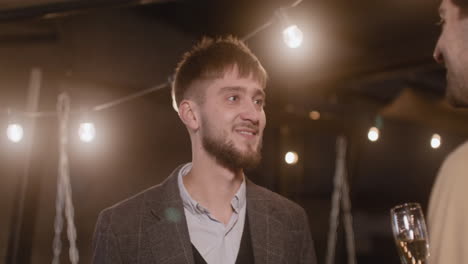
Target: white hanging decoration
x=64, y=192
x=341, y=195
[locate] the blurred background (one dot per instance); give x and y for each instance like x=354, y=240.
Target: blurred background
x=361, y=64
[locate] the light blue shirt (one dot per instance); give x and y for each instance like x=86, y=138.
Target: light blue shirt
x=217, y=243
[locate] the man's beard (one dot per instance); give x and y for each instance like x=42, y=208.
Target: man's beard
x=226, y=153
x=457, y=89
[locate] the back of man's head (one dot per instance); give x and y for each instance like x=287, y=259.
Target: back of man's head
x=463, y=5
x=210, y=59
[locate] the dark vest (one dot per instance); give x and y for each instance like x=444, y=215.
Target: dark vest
x=245, y=255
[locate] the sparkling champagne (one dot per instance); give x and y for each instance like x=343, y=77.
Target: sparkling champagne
x=413, y=251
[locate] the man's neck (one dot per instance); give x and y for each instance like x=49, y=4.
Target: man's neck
x=213, y=186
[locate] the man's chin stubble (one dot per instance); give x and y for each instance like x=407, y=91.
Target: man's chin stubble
x=229, y=157
x=455, y=100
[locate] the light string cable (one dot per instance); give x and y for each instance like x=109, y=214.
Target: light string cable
x=64, y=191
x=269, y=22
x=155, y=88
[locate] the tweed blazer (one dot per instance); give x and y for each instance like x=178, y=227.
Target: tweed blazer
x=150, y=227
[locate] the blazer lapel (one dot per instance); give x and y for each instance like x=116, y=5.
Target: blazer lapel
x=268, y=234
x=166, y=225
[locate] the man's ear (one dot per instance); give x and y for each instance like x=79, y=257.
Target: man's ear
x=188, y=114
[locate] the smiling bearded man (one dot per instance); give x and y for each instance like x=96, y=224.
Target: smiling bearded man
x=208, y=211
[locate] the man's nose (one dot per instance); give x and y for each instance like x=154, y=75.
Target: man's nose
x=250, y=112
x=438, y=55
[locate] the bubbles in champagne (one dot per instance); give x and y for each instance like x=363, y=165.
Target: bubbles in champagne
x=413, y=251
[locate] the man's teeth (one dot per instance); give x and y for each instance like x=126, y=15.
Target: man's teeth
x=246, y=133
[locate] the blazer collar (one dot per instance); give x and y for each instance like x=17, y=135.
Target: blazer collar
x=167, y=226
x=266, y=230
x=168, y=231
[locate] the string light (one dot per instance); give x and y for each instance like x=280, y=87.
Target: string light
x=87, y=132
x=436, y=141
x=15, y=132
x=292, y=34
x=291, y=158
x=373, y=134
x=314, y=115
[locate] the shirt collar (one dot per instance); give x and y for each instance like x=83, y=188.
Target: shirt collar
x=237, y=202
x=239, y=199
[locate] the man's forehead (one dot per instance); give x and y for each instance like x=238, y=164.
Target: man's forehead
x=447, y=6
x=237, y=83
x=234, y=77
x=255, y=89
x=441, y=11
x=442, y=7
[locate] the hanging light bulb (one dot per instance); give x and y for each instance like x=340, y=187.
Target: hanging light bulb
x=436, y=141
x=15, y=132
x=314, y=115
x=87, y=132
x=373, y=134
x=291, y=157
x=292, y=34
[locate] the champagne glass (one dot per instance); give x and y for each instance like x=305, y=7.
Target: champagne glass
x=410, y=233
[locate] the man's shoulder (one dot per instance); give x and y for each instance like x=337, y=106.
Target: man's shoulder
x=275, y=200
x=453, y=169
x=460, y=154
x=125, y=214
x=134, y=202
x=166, y=190
x=455, y=163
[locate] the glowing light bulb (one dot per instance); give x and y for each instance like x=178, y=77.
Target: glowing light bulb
x=15, y=132
x=436, y=141
x=87, y=132
x=373, y=134
x=291, y=157
x=293, y=36
x=314, y=115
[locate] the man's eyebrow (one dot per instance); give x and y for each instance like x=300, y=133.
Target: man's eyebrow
x=260, y=92
x=240, y=88
x=231, y=89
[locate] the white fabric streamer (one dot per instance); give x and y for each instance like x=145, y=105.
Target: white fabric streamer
x=341, y=192
x=64, y=192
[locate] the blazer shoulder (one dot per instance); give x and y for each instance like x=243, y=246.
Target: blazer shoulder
x=123, y=213
x=279, y=203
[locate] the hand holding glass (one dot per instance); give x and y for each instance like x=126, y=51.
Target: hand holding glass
x=410, y=233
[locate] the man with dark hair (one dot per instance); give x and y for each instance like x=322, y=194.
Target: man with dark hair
x=207, y=211
x=448, y=209
x=452, y=49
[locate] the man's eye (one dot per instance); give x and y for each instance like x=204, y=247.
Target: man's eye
x=233, y=98
x=260, y=102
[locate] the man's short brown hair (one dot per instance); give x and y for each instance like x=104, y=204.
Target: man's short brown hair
x=210, y=59
x=462, y=4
